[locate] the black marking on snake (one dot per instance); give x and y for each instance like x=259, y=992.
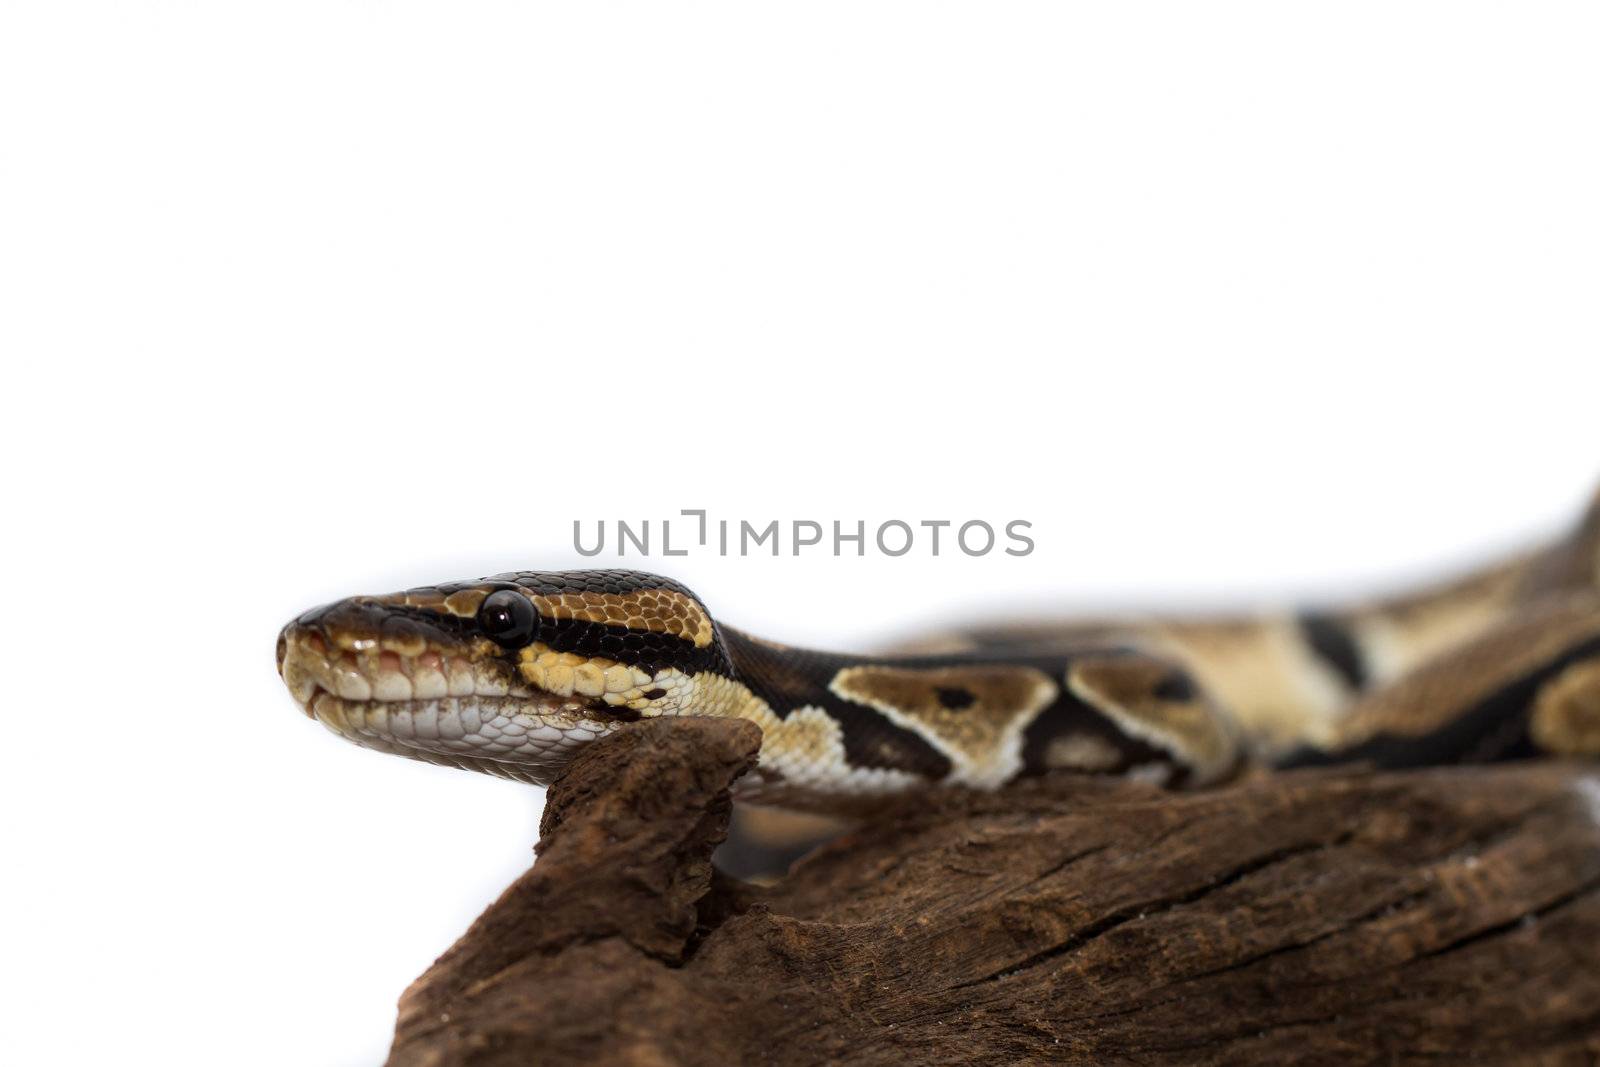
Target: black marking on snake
x=648, y=650
x=1332, y=641
x=870, y=740
x=954, y=698
x=1069, y=716
x=1177, y=686
x=789, y=679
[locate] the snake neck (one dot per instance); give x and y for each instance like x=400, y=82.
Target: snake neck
x=852, y=727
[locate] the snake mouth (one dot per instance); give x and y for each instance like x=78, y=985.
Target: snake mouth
x=434, y=697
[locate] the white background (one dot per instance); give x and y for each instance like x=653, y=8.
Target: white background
x=308, y=299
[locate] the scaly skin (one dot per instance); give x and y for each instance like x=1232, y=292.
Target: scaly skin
x=511, y=674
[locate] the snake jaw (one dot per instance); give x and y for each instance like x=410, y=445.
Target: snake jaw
x=436, y=696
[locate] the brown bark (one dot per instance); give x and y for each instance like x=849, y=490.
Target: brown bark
x=1440, y=916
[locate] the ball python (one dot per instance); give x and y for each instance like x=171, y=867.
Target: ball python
x=512, y=674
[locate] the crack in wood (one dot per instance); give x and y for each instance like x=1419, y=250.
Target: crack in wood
x=1146, y=909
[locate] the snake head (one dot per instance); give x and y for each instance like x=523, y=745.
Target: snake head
x=509, y=675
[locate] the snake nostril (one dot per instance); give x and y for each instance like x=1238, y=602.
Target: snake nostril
x=283, y=650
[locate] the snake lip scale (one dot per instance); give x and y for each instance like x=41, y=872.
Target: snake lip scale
x=511, y=674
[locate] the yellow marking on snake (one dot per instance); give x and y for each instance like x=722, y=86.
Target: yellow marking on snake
x=974, y=715
x=800, y=753
x=1566, y=715
x=1081, y=752
x=569, y=674
x=1395, y=637
x=1127, y=689
x=659, y=611
x=1260, y=670
x=646, y=610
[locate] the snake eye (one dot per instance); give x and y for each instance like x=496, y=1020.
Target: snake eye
x=507, y=619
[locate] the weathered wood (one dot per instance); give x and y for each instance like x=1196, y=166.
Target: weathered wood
x=1442, y=916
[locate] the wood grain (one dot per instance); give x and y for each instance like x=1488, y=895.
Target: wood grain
x=1442, y=916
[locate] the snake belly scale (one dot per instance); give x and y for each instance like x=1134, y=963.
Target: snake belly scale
x=511, y=674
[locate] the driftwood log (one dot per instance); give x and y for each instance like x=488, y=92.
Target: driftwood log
x=1439, y=916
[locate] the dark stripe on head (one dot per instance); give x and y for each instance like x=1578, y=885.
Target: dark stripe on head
x=645, y=649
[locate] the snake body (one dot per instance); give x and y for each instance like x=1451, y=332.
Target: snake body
x=511, y=674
